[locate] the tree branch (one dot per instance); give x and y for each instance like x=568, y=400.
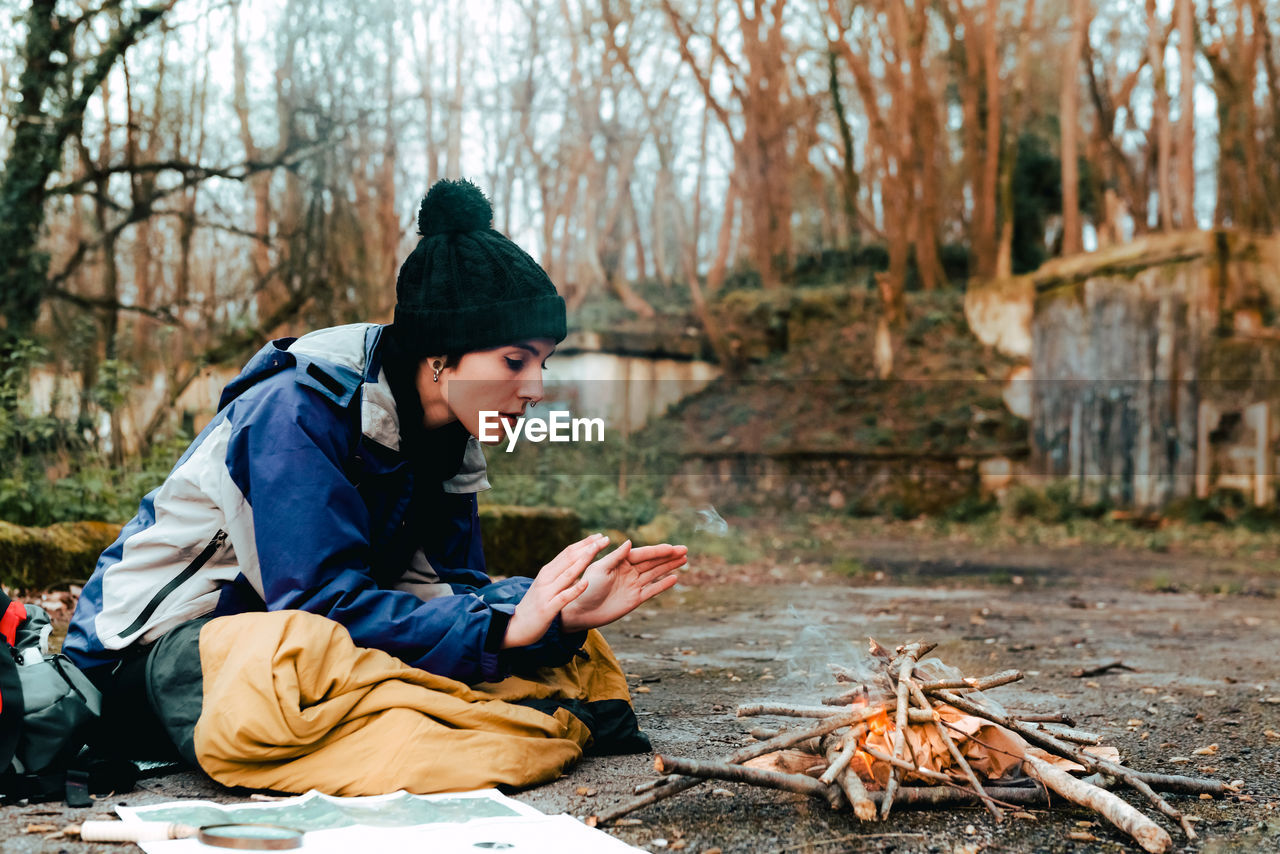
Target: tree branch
x=164, y=315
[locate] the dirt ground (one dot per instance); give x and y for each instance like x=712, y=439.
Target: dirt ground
x=1201, y=670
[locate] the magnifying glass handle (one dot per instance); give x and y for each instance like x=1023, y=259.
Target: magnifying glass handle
x=135, y=831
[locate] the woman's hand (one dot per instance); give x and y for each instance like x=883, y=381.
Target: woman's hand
x=619, y=582
x=557, y=584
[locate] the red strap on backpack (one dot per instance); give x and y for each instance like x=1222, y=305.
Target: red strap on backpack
x=12, y=618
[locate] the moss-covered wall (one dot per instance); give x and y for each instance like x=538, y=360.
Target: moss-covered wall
x=517, y=541
x=521, y=540
x=32, y=558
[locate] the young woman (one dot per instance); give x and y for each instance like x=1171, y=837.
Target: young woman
x=339, y=478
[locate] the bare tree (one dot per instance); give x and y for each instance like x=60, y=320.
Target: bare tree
x=1184, y=11
x=1069, y=117
x=61, y=70
x=760, y=121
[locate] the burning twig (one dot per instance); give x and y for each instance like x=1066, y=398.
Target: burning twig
x=751, y=751
x=847, y=698
x=1073, y=735
x=900, y=730
x=904, y=765
x=1034, y=718
x=786, y=710
x=1146, y=832
x=956, y=754
x=985, y=683
x=798, y=783
x=845, y=749
x=1060, y=748
x=956, y=739
x=850, y=783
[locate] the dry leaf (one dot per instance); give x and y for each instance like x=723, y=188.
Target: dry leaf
x=723, y=793
x=678, y=844
x=1210, y=750
x=642, y=690
x=628, y=822
x=584, y=791
x=1082, y=836
x=1272, y=734
x=40, y=828
x=1022, y=814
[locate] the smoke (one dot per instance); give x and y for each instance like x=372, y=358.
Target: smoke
x=711, y=522
x=817, y=652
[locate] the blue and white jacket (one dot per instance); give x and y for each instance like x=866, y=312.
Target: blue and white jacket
x=297, y=495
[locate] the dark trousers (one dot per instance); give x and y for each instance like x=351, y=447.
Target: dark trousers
x=128, y=727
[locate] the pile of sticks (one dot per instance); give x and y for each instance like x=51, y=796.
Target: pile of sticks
x=835, y=733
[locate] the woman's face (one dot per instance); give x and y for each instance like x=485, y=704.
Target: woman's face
x=504, y=380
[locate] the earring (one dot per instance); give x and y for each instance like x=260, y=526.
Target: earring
x=435, y=373
x=533, y=405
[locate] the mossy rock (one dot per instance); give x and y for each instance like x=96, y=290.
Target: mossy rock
x=521, y=540
x=517, y=541
x=36, y=558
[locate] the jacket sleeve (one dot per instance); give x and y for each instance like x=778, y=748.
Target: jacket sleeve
x=461, y=567
x=311, y=533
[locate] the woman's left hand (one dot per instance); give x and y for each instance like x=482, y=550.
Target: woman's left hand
x=620, y=582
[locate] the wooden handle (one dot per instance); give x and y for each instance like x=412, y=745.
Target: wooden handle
x=135, y=831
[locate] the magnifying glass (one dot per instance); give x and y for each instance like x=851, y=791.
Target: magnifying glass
x=242, y=836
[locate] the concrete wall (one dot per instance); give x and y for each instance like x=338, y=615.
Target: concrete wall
x=625, y=389
x=1151, y=380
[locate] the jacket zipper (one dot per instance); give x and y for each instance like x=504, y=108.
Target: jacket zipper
x=176, y=582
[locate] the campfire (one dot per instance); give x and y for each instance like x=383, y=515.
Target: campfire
x=915, y=732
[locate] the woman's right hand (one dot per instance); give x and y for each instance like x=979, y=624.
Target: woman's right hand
x=556, y=585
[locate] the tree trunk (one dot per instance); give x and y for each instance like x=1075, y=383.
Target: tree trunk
x=984, y=243
x=848, y=175
x=453, y=143
x=1184, y=9
x=1160, y=117
x=50, y=111
x=1069, y=113
x=259, y=185
x=928, y=177
x=1009, y=155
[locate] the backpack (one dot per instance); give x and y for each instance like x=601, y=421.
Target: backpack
x=47, y=708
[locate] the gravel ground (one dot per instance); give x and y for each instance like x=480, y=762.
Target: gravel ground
x=1205, y=670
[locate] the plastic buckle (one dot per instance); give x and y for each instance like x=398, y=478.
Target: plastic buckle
x=78, y=788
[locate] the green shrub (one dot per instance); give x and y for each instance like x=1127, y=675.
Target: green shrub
x=93, y=489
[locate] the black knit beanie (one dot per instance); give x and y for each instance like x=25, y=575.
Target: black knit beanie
x=466, y=286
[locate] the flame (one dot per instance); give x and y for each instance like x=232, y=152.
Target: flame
x=880, y=724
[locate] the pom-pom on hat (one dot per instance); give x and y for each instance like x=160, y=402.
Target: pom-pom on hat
x=466, y=286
